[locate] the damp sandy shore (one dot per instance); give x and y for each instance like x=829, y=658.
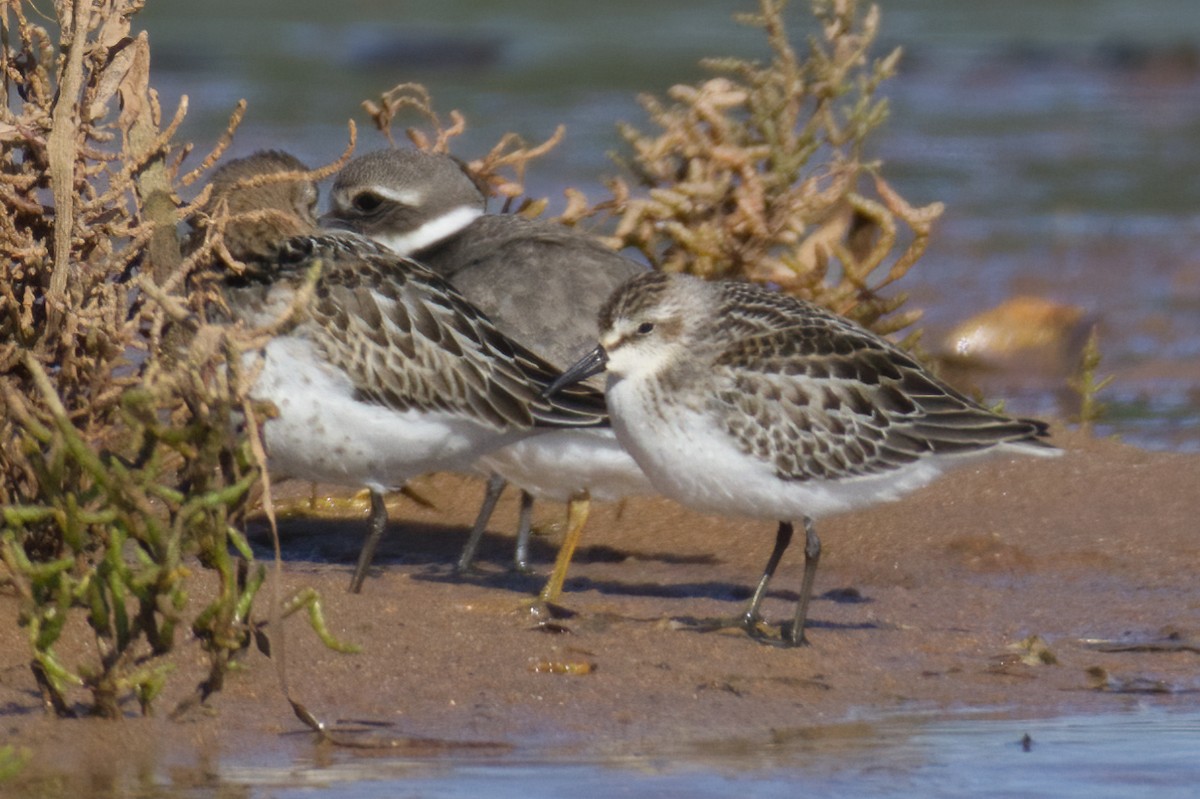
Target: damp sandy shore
x=919, y=606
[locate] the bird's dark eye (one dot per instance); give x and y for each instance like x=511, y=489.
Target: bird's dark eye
x=645, y=328
x=367, y=202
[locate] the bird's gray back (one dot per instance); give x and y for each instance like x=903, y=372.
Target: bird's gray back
x=821, y=397
x=541, y=283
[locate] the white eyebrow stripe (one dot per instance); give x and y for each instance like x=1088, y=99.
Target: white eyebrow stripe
x=409, y=197
x=430, y=233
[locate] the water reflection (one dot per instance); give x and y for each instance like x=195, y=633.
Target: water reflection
x=1146, y=749
x=1093, y=756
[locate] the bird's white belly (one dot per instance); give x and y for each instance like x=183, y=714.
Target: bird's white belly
x=692, y=460
x=323, y=433
x=557, y=464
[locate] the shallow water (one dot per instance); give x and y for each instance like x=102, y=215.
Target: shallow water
x=1150, y=751
x=1147, y=750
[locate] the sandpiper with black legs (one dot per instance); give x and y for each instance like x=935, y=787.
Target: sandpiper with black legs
x=742, y=401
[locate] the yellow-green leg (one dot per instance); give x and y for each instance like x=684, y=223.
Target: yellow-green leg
x=577, y=513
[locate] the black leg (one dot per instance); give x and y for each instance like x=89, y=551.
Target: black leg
x=783, y=537
x=812, y=555
x=524, y=531
x=495, y=487
x=375, y=527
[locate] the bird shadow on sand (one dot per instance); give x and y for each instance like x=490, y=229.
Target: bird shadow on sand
x=506, y=578
x=434, y=549
x=339, y=541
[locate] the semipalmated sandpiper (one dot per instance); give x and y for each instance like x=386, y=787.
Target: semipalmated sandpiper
x=742, y=401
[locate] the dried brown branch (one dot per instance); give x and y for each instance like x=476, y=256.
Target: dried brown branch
x=119, y=457
x=500, y=173
x=730, y=185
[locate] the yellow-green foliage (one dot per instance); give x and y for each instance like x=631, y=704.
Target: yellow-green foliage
x=1087, y=385
x=120, y=464
x=12, y=760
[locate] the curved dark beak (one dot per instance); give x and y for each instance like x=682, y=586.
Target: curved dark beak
x=591, y=364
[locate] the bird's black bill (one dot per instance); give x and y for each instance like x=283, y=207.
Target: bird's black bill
x=591, y=364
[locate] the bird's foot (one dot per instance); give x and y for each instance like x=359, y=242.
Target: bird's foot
x=542, y=612
x=754, y=627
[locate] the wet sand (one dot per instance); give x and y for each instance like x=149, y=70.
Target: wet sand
x=920, y=604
